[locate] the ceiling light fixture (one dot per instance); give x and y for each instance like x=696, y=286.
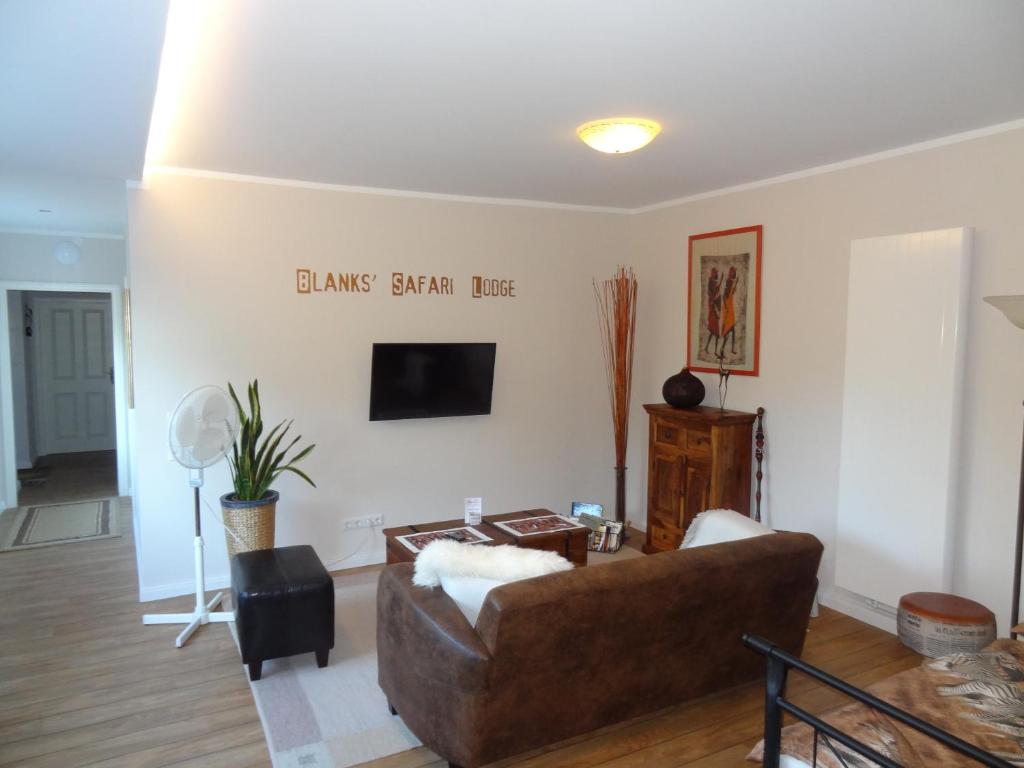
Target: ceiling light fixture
x=67, y=252
x=617, y=135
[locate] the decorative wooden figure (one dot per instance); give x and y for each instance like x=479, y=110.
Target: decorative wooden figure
x=759, y=456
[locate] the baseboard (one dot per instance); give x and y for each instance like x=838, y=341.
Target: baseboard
x=859, y=608
x=223, y=580
x=178, y=588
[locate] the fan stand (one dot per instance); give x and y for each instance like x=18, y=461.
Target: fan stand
x=203, y=613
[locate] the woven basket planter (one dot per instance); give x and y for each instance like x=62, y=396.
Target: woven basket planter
x=248, y=525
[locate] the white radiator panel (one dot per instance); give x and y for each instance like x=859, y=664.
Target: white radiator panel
x=905, y=335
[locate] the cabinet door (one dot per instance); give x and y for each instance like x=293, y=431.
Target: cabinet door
x=668, y=469
x=695, y=492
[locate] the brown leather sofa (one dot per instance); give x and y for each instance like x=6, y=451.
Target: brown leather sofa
x=561, y=655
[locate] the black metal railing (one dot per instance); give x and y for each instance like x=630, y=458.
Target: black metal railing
x=779, y=664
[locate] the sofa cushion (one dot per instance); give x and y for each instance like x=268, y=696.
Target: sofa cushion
x=716, y=526
x=467, y=572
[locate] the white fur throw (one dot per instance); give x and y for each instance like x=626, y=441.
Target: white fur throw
x=719, y=525
x=467, y=572
x=504, y=563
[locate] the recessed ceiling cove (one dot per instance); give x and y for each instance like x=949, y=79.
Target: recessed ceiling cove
x=483, y=99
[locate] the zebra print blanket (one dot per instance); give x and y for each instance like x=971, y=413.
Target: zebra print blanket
x=976, y=696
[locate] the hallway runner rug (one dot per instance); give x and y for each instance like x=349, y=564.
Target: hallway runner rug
x=43, y=526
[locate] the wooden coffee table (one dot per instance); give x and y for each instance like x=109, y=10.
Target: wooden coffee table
x=570, y=544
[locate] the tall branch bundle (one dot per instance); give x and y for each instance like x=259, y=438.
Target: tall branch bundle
x=616, y=313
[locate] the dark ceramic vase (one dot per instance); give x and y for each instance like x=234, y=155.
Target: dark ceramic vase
x=684, y=390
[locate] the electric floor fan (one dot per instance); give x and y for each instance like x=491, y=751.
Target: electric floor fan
x=201, y=433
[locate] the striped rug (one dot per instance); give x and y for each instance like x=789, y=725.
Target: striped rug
x=337, y=716
x=46, y=525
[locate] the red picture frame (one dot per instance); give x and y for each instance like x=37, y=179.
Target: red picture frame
x=723, y=289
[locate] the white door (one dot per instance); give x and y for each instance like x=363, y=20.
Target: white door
x=74, y=385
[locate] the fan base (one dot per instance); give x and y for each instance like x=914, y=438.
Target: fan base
x=203, y=612
x=194, y=620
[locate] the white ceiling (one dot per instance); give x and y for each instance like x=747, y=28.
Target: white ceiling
x=77, y=79
x=80, y=204
x=482, y=98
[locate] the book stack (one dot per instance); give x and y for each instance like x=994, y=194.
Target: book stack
x=605, y=535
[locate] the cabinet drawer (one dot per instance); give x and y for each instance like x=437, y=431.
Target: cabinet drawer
x=698, y=441
x=669, y=434
x=665, y=538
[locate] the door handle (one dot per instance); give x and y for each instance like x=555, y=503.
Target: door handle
x=111, y=374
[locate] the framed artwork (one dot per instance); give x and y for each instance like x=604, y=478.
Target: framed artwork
x=724, y=287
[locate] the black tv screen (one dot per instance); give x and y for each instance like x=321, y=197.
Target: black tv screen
x=419, y=381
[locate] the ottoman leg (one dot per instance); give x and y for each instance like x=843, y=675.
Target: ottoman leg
x=255, y=670
x=321, y=657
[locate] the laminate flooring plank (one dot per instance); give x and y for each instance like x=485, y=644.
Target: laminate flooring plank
x=83, y=682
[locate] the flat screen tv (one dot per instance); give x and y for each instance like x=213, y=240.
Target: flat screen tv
x=420, y=381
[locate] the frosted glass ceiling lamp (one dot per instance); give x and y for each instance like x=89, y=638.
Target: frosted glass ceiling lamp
x=618, y=135
x=67, y=252
x=1013, y=308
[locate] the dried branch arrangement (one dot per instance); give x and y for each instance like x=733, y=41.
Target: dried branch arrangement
x=616, y=313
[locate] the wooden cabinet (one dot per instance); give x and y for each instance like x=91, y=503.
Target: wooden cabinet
x=698, y=458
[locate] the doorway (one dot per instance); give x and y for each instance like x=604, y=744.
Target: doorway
x=64, y=423
x=63, y=415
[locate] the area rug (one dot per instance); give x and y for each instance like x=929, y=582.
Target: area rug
x=337, y=716
x=46, y=525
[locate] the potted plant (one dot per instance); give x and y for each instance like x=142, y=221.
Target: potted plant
x=250, y=509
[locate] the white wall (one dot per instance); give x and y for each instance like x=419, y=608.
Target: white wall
x=212, y=272
x=29, y=258
x=213, y=263
x=808, y=226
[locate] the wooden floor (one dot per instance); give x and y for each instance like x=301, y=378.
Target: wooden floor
x=71, y=477
x=82, y=682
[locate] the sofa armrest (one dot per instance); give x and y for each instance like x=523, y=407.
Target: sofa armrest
x=421, y=633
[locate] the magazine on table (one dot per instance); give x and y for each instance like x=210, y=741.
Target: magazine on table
x=415, y=542
x=533, y=526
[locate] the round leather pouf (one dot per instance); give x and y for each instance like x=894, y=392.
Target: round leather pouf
x=935, y=624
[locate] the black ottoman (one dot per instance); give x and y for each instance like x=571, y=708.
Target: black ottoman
x=284, y=604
